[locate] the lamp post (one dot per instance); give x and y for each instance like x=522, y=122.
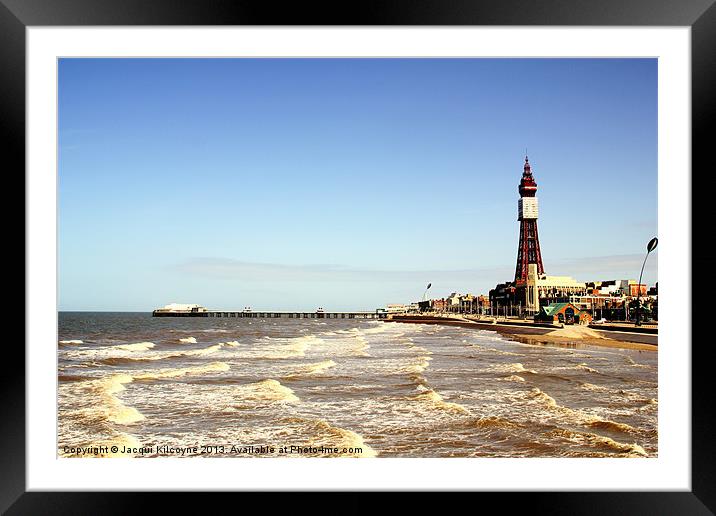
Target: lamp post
x=426, y=290
x=649, y=248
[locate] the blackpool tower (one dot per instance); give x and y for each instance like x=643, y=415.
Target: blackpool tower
x=528, y=250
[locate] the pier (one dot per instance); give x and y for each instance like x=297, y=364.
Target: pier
x=271, y=315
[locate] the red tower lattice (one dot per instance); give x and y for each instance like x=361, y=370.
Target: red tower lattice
x=528, y=250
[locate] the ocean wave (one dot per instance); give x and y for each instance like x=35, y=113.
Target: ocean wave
x=158, y=374
x=139, y=346
x=70, y=342
x=599, y=441
x=267, y=390
x=134, y=356
x=437, y=401
x=591, y=387
x=380, y=328
x=418, y=366
x=354, y=331
x=492, y=422
x=314, y=369
x=539, y=395
x=418, y=349
x=118, y=412
x=322, y=433
x=98, y=401
x=579, y=417
x=126, y=360
x=585, y=367
x=292, y=348
x=203, y=352
x=612, y=425
x=495, y=350
x=188, y=340
x=517, y=367
x=71, y=378
x=629, y=360
x=361, y=347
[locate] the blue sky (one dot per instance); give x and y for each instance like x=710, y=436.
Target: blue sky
x=345, y=183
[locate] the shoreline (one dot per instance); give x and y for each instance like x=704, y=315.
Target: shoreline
x=570, y=336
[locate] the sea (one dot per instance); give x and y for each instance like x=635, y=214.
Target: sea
x=130, y=385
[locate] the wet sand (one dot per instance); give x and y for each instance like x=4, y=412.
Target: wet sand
x=570, y=336
x=581, y=341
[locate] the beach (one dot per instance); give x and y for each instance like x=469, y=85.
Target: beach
x=571, y=335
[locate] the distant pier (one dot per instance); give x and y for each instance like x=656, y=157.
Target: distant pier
x=271, y=315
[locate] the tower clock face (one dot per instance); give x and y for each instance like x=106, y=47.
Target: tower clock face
x=528, y=208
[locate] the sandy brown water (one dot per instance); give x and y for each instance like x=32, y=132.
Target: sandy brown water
x=365, y=388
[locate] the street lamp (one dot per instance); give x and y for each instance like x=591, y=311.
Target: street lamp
x=649, y=248
x=426, y=290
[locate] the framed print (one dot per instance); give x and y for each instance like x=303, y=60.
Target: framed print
x=274, y=251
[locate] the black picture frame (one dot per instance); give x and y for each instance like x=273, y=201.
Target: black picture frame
x=700, y=15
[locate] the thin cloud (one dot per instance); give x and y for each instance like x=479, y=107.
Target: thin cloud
x=225, y=268
x=583, y=269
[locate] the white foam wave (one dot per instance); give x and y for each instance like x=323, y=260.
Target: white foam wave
x=177, y=372
x=579, y=417
x=600, y=441
x=138, y=352
x=139, y=346
x=418, y=366
x=202, y=352
x=319, y=367
x=380, y=328
x=341, y=438
x=267, y=390
x=592, y=387
x=361, y=347
x=495, y=350
x=117, y=412
x=629, y=360
x=511, y=368
x=292, y=348
x=585, y=367
x=437, y=401
x=97, y=401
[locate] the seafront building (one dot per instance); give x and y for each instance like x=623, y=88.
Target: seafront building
x=180, y=308
x=395, y=308
x=561, y=313
x=616, y=305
